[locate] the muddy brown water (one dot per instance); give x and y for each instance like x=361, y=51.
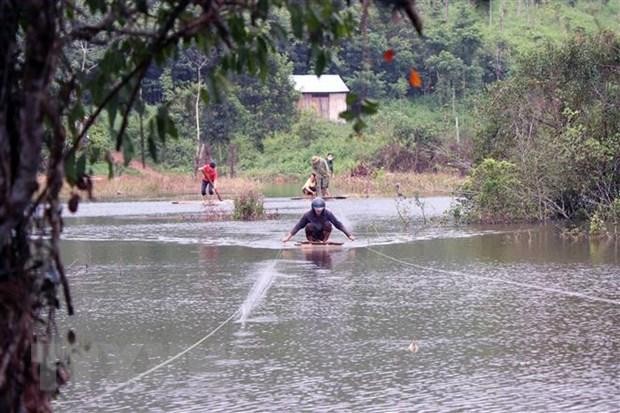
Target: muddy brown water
x=503, y=318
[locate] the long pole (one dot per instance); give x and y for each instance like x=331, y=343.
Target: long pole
x=213, y=186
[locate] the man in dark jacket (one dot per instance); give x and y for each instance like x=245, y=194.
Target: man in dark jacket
x=318, y=223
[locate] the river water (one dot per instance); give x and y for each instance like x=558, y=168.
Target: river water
x=499, y=318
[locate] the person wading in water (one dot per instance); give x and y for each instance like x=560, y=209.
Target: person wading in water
x=209, y=176
x=320, y=168
x=318, y=223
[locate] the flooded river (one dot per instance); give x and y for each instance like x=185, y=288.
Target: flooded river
x=180, y=313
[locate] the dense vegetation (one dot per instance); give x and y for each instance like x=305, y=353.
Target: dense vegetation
x=549, y=142
x=524, y=92
x=465, y=51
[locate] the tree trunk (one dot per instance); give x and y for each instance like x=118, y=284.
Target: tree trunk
x=456, y=116
x=219, y=153
x=198, y=161
x=25, y=103
x=497, y=62
x=502, y=15
x=366, y=64
x=142, y=130
x=232, y=153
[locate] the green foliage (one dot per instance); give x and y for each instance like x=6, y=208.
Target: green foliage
x=454, y=59
x=289, y=153
x=178, y=154
x=186, y=47
x=557, y=119
x=98, y=141
x=410, y=137
x=609, y=214
x=248, y=207
x=596, y=225
x=269, y=105
x=255, y=108
x=555, y=21
x=248, y=106
x=492, y=194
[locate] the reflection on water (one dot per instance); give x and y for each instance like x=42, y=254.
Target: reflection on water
x=330, y=329
x=320, y=258
x=326, y=258
x=283, y=190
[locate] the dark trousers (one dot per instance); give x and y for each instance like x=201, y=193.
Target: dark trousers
x=206, y=186
x=315, y=233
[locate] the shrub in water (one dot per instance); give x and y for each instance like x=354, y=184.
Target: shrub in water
x=597, y=226
x=249, y=206
x=493, y=193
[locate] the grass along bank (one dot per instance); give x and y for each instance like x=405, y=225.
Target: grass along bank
x=165, y=186
x=390, y=183
x=151, y=184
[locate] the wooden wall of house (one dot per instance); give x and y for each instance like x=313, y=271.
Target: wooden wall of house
x=305, y=102
x=337, y=104
x=327, y=105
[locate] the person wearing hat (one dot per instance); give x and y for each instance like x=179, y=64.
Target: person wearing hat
x=318, y=224
x=330, y=163
x=321, y=169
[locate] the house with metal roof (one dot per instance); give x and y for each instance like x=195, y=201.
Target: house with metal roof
x=327, y=94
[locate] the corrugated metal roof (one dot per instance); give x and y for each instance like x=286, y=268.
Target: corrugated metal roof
x=315, y=84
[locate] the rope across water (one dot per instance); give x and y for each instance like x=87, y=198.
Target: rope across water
x=494, y=279
x=171, y=359
x=379, y=253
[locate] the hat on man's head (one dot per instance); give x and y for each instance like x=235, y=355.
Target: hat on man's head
x=315, y=159
x=318, y=203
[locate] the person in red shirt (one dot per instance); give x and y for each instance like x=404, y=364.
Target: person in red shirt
x=209, y=177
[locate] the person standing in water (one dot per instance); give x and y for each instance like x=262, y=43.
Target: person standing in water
x=318, y=224
x=321, y=169
x=209, y=176
x=330, y=163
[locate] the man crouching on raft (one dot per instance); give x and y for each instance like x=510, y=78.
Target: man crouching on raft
x=318, y=223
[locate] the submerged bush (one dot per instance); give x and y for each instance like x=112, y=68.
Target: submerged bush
x=249, y=206
x=606, y=219
x=556, y=120
x=597, y=226
x=493, y=194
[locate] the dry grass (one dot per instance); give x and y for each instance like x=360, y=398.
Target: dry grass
x=408, y=183
x=151, y=186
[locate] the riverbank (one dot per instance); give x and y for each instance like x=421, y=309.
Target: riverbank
x=151, y=184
